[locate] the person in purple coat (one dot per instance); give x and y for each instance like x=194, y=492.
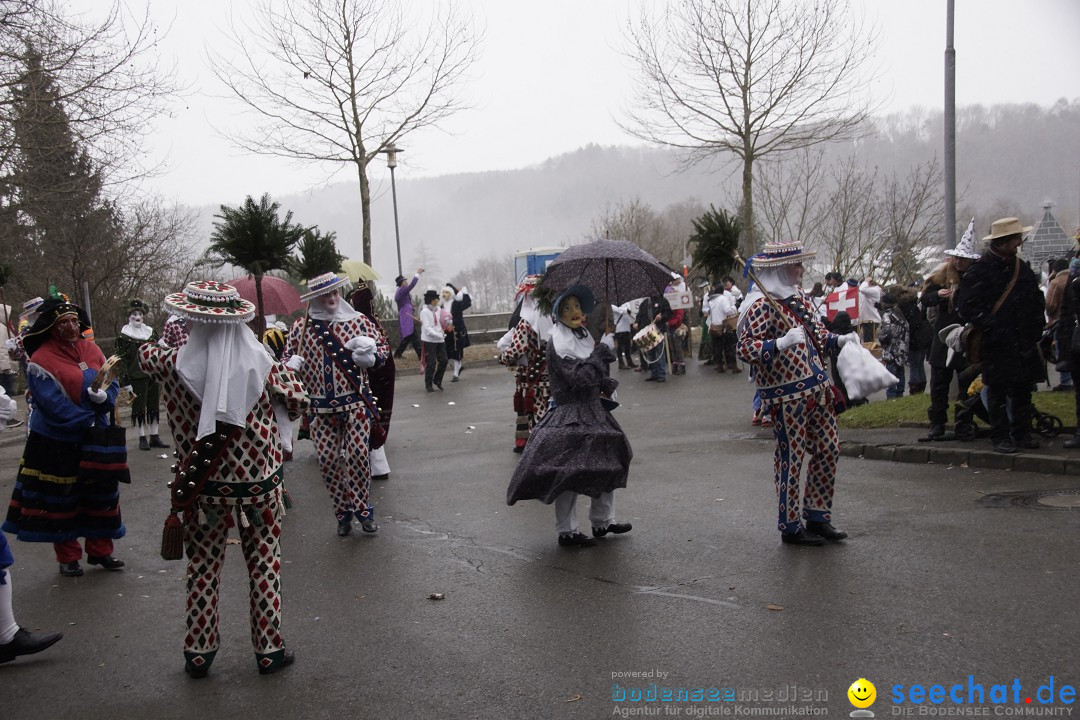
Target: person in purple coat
x=406, y=319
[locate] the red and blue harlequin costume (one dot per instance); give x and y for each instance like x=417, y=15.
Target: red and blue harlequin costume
x=797, y=392
x=343, y=409
x=244, y=490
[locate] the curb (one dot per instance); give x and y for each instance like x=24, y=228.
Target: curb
x=983, y=459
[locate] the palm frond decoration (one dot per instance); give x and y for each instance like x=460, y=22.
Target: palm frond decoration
x=545, y=299
x=715, y=242
x=318, y=255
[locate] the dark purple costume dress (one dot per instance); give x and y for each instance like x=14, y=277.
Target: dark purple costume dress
x=577, y=446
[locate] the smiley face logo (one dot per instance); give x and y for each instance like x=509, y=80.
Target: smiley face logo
x=862, y=693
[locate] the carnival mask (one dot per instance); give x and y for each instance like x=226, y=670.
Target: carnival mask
x=447, y=296
x=136, y=318
x=66, y=329
x=570, y=313
x=330, y=301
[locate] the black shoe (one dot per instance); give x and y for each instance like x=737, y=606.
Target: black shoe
x=1027, y=443
x=936, y=431
x=661, y=379
x=965, y=432
x=369, y=525
x=438, y=385
x=71, y=569
x=575, y=540
x=802, y=537
x=344, y=527
x=1004, y=446
x=614, y=528
x=430, y=389
x=519, y=449
x=155, y=442
x=650, y=379
x=197, y=672
x=108, y=562
x=384, y=476
x=825, y=530
x=288, y=659
x=453, y=379
x=27, y=643
x=143, y=443
x=1073, y=442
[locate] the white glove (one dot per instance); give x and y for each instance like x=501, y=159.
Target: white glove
x=845, y=339
x=128, y=388
x=363, y=359
x=97, y=396
x=294, y=363
x=10, y=344
x=7, y=408
x=794, y=336
x=504, y=342
x=361, y=343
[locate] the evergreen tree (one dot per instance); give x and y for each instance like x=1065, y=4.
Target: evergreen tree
x=252, y=237
x=63, y=229
x=716, y=242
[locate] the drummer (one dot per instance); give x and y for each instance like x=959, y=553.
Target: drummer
x=655, y=311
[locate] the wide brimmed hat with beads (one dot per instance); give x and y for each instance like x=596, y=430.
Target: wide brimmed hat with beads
x=210, y=301
x=325, y=284
x=775, y=254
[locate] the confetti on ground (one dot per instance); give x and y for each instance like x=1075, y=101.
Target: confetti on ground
x=472, y=427
x=416, y=404
x=163, y=457
x=436, y=596
x=776, y=608
x=574, y=698
x=451, y=403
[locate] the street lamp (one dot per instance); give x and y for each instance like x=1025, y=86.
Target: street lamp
x=391, y=162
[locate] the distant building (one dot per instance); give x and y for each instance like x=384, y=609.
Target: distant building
x=1046, y=241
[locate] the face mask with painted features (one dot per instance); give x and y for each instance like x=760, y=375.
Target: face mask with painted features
x=136, y=318
x=330, y=301
x=570, y=313
x=66, y=329
x=447, y=296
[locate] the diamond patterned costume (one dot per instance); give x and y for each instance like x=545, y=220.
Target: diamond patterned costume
x=527, y=354
x=245, y=492
x=797, y=392
x=342, y=406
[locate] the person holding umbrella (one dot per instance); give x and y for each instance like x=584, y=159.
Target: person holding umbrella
x=577, y=448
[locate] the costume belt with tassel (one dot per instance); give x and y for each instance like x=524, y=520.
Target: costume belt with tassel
x=191, y=476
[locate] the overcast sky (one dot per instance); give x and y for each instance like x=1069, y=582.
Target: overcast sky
x=551, y=79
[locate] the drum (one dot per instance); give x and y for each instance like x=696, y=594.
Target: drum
x=648, y=338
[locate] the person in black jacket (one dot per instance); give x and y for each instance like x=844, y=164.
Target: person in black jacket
x=655, y=311
x=940, y=298
x=1000, y=296
x=1068, y=339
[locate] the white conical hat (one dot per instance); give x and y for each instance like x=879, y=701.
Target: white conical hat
x=966, y=247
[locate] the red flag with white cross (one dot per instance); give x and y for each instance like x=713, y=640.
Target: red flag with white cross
x=846, y=299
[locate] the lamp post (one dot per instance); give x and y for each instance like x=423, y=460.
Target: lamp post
x=391, y=162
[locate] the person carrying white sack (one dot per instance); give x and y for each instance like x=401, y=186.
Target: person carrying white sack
x=782, y=339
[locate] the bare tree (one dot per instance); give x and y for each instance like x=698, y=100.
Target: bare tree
x=849, y=225
x=490, y=282
x=752, y=78
x=912, y=208
x=790, y=194
x=112, y=83
x=339, y=81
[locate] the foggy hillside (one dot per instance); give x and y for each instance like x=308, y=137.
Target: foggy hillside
x=1010, y=158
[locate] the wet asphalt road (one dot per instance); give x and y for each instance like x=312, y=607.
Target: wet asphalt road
x=931, y=587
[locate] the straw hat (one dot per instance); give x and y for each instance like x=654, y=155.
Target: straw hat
x=1006, y=227
x=210, y=301
x=324, y=285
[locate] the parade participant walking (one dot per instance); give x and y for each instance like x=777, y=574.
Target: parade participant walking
x=1000, y=296
x=14, y=640
x=526, y=353
x=434, y=337
x=51, y=502
x=218, y=389
x=145, y=403
x=331, y=349
x=578, y=447
x=456, y=302
x=381, y=378
x=655, y=311
x=722, y=318
x=406, y=319
x=781, y=336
